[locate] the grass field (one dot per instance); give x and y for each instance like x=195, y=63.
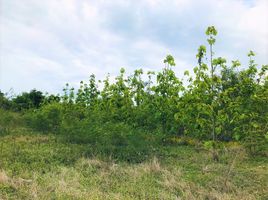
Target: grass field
x=36, y=166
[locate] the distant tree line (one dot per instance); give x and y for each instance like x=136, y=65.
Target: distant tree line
x=27, y=100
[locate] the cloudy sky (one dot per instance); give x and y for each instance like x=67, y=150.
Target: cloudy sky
x=46, y=43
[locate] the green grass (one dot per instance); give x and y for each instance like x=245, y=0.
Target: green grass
x=36, y=166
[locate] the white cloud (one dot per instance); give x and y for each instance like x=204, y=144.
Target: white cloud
x=44, y=44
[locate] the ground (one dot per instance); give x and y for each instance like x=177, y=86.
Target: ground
x=38, y=166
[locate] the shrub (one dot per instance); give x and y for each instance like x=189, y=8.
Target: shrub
x=48, y=118
x=8, y=120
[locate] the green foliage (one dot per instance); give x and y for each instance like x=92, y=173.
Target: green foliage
x=169, y=60
x=220, y=102
x=9, y=120
x=27, y=100
x=211, y=31
x=4, y=102
x=46, y=119
x=201, y=53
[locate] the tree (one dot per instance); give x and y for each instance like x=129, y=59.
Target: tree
x=27, y=100
x=5, y=103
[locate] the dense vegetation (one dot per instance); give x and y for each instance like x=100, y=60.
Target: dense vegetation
x=218, y=103
x=144, y=115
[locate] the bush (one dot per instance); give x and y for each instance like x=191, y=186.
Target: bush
x=48, y=118
x=8, y=120
x=256, y=144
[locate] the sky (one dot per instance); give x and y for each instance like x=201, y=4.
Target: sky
x=47, y=43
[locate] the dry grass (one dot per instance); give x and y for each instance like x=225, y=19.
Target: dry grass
x=27, y=138
x=3, y=177
x=152, y=166
x=71, y=183
x=192, y=176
